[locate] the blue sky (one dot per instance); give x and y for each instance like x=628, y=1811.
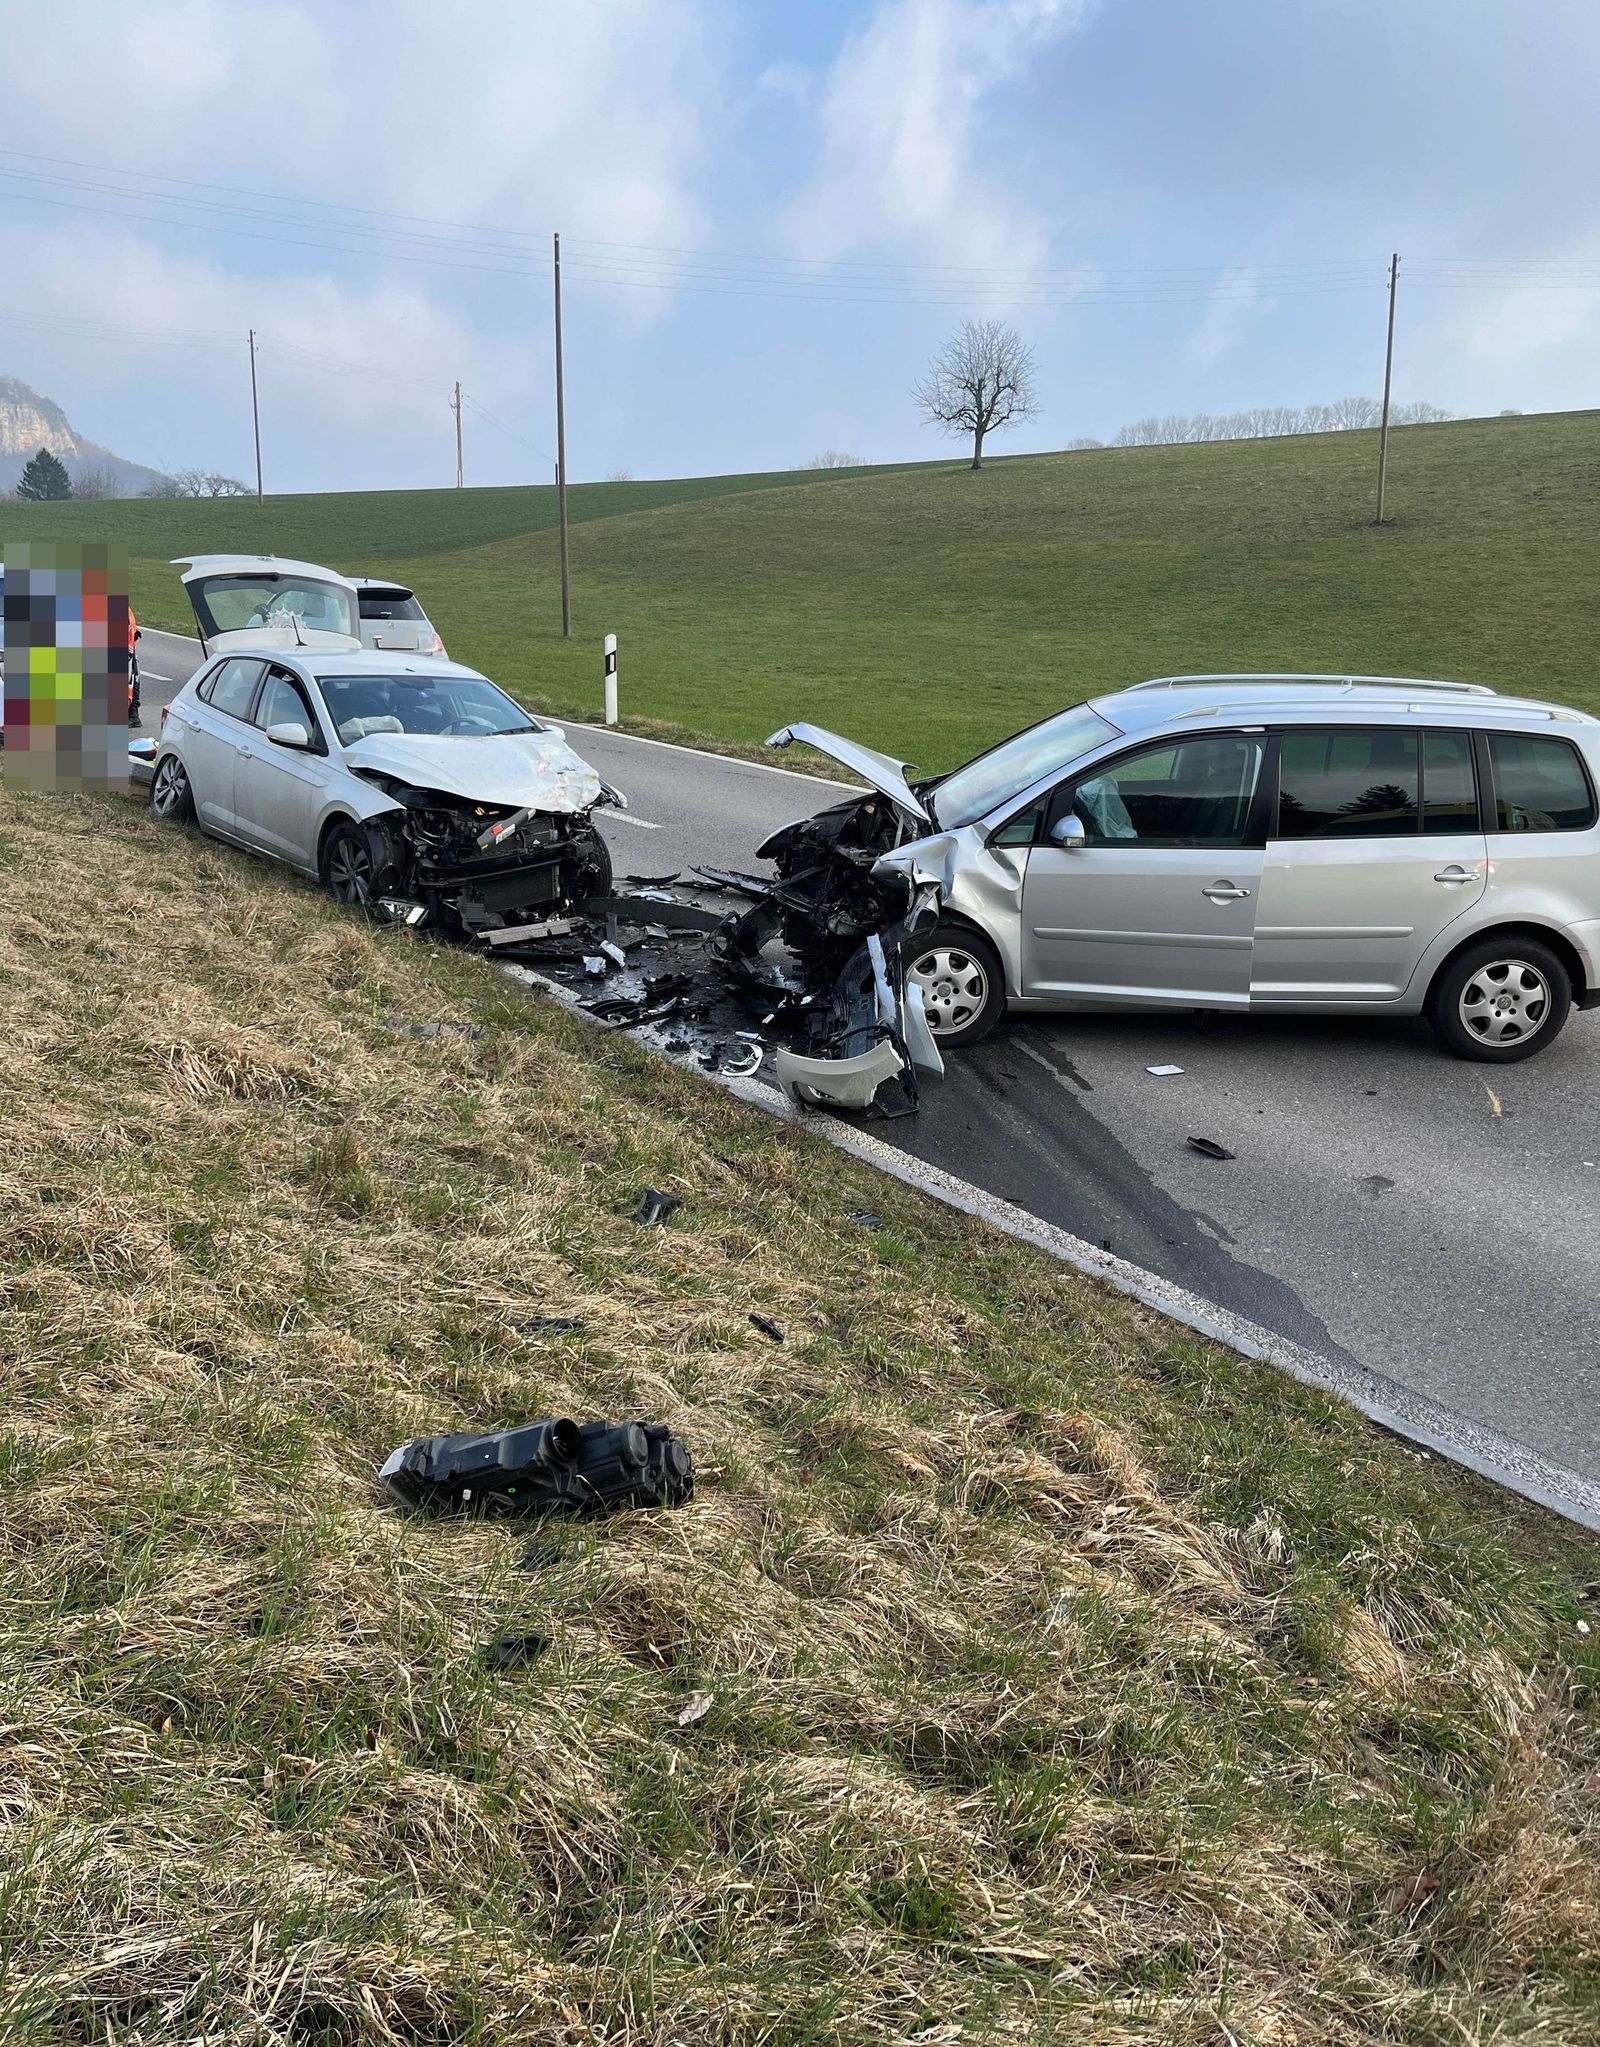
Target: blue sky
x=771, y=215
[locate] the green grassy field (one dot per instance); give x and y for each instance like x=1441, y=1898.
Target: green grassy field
x=928, y=609
x=1025, y=1670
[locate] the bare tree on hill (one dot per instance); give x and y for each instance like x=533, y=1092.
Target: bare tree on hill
x=98, y=482
x=835, y=458
x=980, y=382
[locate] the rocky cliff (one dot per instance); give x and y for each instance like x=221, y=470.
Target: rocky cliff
x=29, y=423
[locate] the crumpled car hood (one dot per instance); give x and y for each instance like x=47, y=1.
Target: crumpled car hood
x=526, y=770
x=877, y=770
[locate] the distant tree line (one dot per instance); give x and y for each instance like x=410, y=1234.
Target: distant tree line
x=196, y=483
x=1262, y=422
x=45, y=480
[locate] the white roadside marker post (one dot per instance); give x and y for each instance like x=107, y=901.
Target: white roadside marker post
x=611, y=678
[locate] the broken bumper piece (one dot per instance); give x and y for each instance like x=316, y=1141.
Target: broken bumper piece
x=839, y=1083
x=553, y=1466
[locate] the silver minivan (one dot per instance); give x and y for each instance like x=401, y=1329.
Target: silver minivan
x=1345, y=845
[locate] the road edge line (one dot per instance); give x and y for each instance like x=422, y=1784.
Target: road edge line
x=1416, y=1418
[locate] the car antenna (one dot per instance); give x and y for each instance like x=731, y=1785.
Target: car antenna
x=299, y=637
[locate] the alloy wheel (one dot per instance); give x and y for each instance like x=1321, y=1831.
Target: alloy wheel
x=954, y=987
x=349, y=870
x=169, y=789
x=1504, y=1002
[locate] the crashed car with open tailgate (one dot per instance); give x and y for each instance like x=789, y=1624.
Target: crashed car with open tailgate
x=405, y=783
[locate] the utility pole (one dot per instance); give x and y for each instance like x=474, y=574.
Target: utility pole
x=561, y=461
x=1388, y=373
x=455, y=407
x=255, y=412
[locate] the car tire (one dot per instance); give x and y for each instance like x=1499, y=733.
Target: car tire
x=352, y=866
x=171, y=796
x=963, y=987
x=1501, y=1000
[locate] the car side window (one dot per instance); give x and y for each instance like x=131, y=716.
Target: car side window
x=283, y=702
x=1540, y=785
x=1189, y=792
x=233, y=686
x=1348, y=782
x=1449, y=783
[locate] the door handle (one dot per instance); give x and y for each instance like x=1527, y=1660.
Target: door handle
x=1453, y=877
x=245, y=754
x=1225, y=892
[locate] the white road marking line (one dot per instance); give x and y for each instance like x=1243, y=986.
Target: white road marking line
x=622, y=817
x=149, y=675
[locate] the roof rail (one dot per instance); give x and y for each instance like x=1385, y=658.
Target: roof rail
x=1399, y=682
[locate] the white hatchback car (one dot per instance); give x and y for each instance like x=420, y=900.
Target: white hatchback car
x=397, y=780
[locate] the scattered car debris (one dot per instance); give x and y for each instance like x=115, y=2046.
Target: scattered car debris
x=1161, y=1071
x=768, y=1327
x=655, y=1208
x=1208, y=1147
x=695, y=1708
x=865, y=1218
x=514, y=1652
x=744, y=1062
x=548, y=1325
x=554, y=1466
x=522, y=934
x=400, y=910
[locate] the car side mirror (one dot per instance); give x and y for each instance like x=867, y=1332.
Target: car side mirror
x=290, y=735
x=1068, y=833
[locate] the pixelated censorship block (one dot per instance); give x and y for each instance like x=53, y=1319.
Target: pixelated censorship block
x=66, y=665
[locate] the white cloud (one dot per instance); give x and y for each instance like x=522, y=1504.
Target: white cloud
x=900, y=150
x=1222, y=325
x=526, y=115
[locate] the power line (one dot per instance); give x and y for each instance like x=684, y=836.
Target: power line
x=483, y=412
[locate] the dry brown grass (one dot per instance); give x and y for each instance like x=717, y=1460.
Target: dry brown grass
x=1071, y=1680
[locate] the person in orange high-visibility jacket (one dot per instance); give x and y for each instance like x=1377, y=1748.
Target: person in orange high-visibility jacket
x=133, y=672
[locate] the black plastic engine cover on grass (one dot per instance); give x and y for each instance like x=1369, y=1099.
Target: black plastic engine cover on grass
x=554, y=1466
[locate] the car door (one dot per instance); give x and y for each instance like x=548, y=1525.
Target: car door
x=278, y=789
x=1377, y=847
x=1157, y=904
x=218, y=726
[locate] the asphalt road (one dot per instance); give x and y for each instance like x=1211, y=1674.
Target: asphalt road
x=1387, y=1205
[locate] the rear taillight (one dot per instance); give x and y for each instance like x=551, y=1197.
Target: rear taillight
x=163, y=725
x=438, y=644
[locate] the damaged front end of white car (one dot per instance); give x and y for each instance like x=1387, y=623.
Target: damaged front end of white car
x=503, y=843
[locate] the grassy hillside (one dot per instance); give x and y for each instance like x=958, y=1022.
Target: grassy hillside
x=929, y=609
x=1025, y=1670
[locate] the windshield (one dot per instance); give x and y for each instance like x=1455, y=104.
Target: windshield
x=1016, y=763
x=454, y=706
x=246, y=603
x=392, y=604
